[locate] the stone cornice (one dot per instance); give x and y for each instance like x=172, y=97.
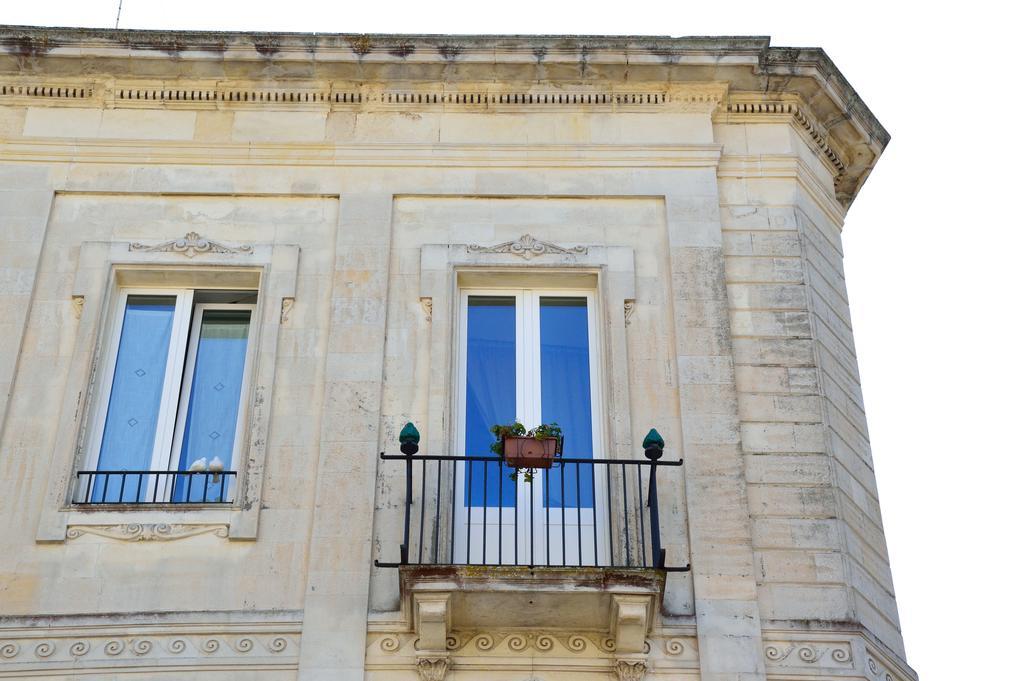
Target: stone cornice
x=30, y=40
x=374, y=155
x=195, y=94
x=617, y=73
x=751, y=108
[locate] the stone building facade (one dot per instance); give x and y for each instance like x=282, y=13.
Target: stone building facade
x=344, y=234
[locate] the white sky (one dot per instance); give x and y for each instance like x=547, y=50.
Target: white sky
x=933, y=243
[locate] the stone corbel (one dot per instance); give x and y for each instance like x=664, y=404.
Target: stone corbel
x=630, y=670
x=631, y=620
x=432, y=620
x=432, y=668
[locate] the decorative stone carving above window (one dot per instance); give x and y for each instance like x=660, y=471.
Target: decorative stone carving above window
x=528, y=247
x=190, y=246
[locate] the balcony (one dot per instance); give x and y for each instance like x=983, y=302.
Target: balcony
x=575, y=547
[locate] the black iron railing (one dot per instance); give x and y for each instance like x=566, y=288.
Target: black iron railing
x=154, y=487
x=476, y=510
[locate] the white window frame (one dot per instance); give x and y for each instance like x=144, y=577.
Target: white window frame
x=190, y=367
x=177, y=383
x=528, y=412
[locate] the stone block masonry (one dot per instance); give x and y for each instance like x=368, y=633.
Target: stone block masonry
x=355, y=187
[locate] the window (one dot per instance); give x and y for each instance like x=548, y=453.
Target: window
x=529, y=355
x=169, y=421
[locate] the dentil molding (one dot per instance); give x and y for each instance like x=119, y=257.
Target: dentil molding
x=201, y=94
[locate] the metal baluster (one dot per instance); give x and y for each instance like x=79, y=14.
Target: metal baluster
x=515, y=511
x=423, y=509
x=625, y=518
x=138, y=489
x=608, y=490
x=106, y=480
x=501, y=508
x=532, y=523
x=561, y=482
x=593, y=501
x=484, y=556
x=437, y=513
x=88, y=487
x=206, y=485
x=652, y=501
x=469, y=510
x=408, y=448
x=451, y=532
x=547, y=519
x=579, y=519
x=640, y=512
x=223, y=479
x=120, y=494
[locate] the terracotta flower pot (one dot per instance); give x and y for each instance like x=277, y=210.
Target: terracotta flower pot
x=529, y=452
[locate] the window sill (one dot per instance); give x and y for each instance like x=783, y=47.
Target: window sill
x=151, y=522
x=142, y=507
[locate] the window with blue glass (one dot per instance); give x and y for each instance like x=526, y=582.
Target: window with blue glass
x=528, y=355
x=169, y=423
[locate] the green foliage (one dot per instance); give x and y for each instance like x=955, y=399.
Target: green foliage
x=500, y=432
x=517, y=429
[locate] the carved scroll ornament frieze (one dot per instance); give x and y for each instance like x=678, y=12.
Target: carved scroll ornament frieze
x=190, y=246
x=806, y=653
x=146, y=531
x=536, y=643
x=85, y=650
x=879, y=671
x=528, y=247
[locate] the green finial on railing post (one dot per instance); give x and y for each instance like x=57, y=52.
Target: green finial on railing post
x=409, y=438
x=654, y=443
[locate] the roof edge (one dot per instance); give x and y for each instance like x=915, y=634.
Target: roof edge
x=750, y=64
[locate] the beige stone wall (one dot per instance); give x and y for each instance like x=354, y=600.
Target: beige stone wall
x=817, y=534
x=846, y=434
x=726, y=327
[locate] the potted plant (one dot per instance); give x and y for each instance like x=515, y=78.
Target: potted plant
x=527, y=450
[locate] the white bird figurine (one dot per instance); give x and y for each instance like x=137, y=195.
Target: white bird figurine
x=198, y=466
x=216, y=467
